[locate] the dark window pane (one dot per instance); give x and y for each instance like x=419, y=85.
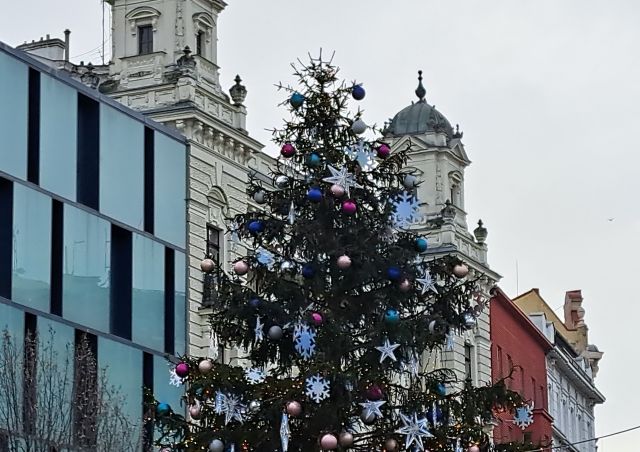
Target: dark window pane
x=87, y=257
x=13, y=115
x=180, y=304
x=58, y=137
x=200, y=43
x=88, y=173
x=145, y=39
x=31, y=277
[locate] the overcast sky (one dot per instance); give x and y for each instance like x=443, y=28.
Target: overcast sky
x=546, y=92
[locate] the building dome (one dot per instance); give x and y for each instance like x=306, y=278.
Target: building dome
x=419, y=118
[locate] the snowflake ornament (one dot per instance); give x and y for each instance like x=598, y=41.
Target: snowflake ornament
x=387, y=351
x=265, y=257
x=427, y=283
x=524, y=416
x=255, y=375
x=405, y=211
x=362, y=153
x=343, y=178
x=415, y=430
x=317, y=388
x=304, y=339
x=174, y=379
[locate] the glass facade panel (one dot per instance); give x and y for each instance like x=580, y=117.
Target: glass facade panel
x=14, y=95
x=58, y=137
x=180, y=305
x=85, y=268
x=121, y=167
x=170, y=189
x=12, y=322
x=148, y=293
x=162, y=390
x=31, y=269
x=123, y=369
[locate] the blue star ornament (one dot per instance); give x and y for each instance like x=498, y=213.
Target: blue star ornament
x=372, y=408
x=415, y=430
x=387, y=350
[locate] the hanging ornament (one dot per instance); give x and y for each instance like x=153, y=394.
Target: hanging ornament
x=275, y=333
x=308, y=271
x=367, y=418
x=285, y=432
x=318, y=388
x=441, y=389
x=216, y=446
x=287, y=267
x=317, y=318
x=474, y=448
x=314, y=194
x=260, y=197
x=256, y=226
x=415, y=430
x=391, y=445
x=313, y=160
x=294, y=408
x=394, y=273
x=362, y=154
x=287, y=150
x=344, y=262
x=358, y=127
x=374, y=392
x=421, y=244
x=427, y=283
x=328, y=441
x=182, y=370
x=437, y=327
x=383, y=151
x=163, y=409
x=254, y=406
x=387, y=351
x=435, y=415
x=174, y=379
x=405, y=210
x=296, y=100
x=460, y=271
x=292, y=213
x=358, y=92
x=410, y=182
x=391, y=316
x=449, y=342
x=195, y=411
x=259, y=330
x=214, y=348
x=240, y=268
x=282, y=181
x=265, y=257
x=405, y=285
x=372, y=408
x=349, y=207
x=304, y=340
x=524, y=416
x=343, y=178
x=345, y=439
x=205, y=366
x=337, y=190
x=255, y=376
x=207, y=265
x=469, y=320
x=255, y=302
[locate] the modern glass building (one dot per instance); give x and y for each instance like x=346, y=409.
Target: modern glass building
x=92, y=228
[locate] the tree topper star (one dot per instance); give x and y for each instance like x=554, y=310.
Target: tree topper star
x=343, y=178
x=415, y=430
x=427, y=283
x=386, y=350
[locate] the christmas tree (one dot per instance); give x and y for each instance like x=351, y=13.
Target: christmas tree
x=335, y=306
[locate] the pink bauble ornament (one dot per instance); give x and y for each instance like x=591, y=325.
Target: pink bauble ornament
x=404, y=285
x=329, y=441
x=195, y=411
x=241, y=268
x=207, y=265
x=473, y=448
x=287, y=150
x=345, y=439
x=460, y=270
x=374, y=392
x=383, y=151
x=391, y=445
x=349, y=207
x=344, y=262
x=294, y=408
x=337, y=190
x=317, y=319
x=182, y=370
x=205, y=366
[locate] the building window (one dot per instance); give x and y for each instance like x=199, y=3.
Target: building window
x=213, y=243
x=145, y=39
x=214, y=253
x=200, y=43
x=499, y=363
x=467, y=362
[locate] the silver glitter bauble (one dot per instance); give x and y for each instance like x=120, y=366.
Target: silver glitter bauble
x=275, y=333
x=260, y=197
x=282, y=181
x=410, y=182
x=216, y=446
x=358, y=126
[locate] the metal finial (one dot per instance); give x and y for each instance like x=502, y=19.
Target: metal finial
x=420, y=91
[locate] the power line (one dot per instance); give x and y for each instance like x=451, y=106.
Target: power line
x=544, y=449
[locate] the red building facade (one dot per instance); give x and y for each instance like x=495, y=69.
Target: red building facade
x=519, y=348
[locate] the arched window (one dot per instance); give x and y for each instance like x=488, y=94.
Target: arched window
x=203, y=25
x=143, y=23
x=455, y=188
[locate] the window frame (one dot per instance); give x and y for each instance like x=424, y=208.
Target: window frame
x=145, y=39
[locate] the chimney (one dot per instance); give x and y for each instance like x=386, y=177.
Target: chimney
x=67, y=32
x=573, y=310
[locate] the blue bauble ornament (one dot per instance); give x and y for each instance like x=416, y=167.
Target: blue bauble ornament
x=441, y=389
x=314, y=194
x=256, y=226
x=394, y=273
x=163, y=409
x=254, y=302
x=357, y=92
x=296, y=100
x=313, y=160
x=421, y=244
x=391, y=316
x=308, y=271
